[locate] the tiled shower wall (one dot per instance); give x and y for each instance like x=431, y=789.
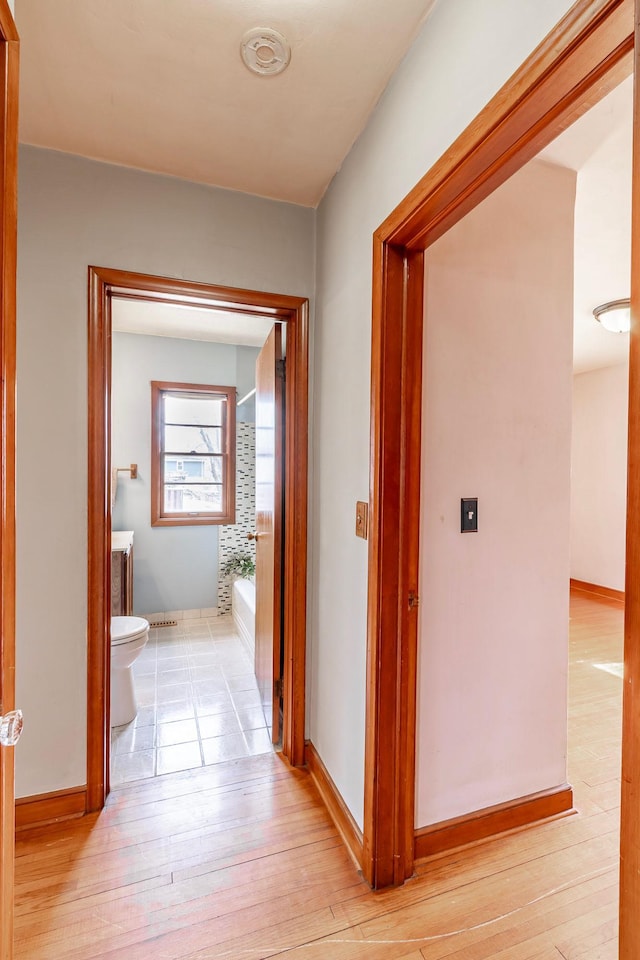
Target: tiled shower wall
x=233, y=537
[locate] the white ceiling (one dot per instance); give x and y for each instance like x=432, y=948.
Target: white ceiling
x=189, y=323
x=599, y=146
x=160, y=85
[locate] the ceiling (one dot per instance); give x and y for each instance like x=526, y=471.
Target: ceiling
x=189, y=323
x=160, y=85
x=599, y=147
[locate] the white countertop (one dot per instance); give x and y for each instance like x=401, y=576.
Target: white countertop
x=121, y=540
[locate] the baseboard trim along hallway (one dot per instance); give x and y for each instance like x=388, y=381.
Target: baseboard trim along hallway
x=50, y=807
x=595, y=590
x=485, y=824
x=336, y=807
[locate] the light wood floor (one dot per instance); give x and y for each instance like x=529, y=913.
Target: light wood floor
x=240, y=861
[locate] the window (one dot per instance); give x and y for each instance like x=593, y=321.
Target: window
x=193, y=453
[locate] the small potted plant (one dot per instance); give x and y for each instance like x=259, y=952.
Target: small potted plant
x=239, y=565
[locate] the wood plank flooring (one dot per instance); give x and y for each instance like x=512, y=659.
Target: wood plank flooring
x=240, y=861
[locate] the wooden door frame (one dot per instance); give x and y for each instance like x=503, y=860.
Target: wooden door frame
x=104, y=285
x=589, y=52
x=9, y=58
x=269, y=384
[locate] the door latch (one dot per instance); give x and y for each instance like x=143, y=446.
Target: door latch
x=414, y=600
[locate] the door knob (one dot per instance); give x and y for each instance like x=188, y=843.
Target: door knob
x=253, y=536
x=10, y=728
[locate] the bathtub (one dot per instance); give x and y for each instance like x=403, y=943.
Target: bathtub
x=243, y=606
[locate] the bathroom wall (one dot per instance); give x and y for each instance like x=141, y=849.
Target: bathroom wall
x=233, y=538
x=75, y=212
x=599, y=476
x=175, y=568
x=246, y=372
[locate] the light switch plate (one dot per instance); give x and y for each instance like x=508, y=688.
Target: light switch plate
x=362, y=519
x=469, y=515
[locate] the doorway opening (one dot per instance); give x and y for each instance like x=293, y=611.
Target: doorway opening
x=509, y=293
x=584, y=58
x=184, y=541
x=107, y=289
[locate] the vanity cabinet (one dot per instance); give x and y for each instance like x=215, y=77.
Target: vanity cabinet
x=122, y=573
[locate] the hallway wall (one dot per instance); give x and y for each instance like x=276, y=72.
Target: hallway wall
x=75, y=212
x=72, y=213
x=454, y=67
x=496, y=424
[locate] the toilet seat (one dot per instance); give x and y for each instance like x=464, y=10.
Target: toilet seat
x=126, y=629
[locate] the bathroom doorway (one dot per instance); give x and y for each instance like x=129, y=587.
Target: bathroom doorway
x=186, y=536
x=194, y=638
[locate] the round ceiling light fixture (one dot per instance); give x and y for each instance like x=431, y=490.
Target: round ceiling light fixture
x=265, y=51
x=614, y=316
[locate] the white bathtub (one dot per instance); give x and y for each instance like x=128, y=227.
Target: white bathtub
x=243, y=606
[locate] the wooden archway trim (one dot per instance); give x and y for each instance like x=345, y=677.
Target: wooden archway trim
x=583, y=58
x=104, y=284
x=9, y=59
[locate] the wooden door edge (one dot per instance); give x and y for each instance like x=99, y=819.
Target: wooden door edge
x=8, y=247
x=296, y=533
x=629, y=929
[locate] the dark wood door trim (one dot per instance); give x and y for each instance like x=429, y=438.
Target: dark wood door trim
x=8, y=33
x=581, y=60
x=104, y=284
x=629, y=931
x=98, y=543
x=9, y=55
x=393, y=563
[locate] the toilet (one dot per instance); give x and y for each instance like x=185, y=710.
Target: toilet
x=128, y=638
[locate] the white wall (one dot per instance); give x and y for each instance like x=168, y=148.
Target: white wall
x=457, y=63
x=73, y=213
x=246, y=381
x=599, y=476
x=493, y=649
x=175, y=568
x=602, y=269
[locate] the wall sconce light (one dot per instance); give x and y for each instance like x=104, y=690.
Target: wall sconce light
x=614, y=316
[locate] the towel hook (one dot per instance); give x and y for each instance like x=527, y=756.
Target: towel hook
x=132, y=470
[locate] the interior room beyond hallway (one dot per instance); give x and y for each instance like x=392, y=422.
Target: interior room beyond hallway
x=198, y=703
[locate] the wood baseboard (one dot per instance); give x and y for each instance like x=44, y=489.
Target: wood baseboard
x=483, y=824
x=50, y=807
x=332, y=799
x=595, y=590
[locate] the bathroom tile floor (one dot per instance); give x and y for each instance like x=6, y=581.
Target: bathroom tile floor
x=198, y=703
